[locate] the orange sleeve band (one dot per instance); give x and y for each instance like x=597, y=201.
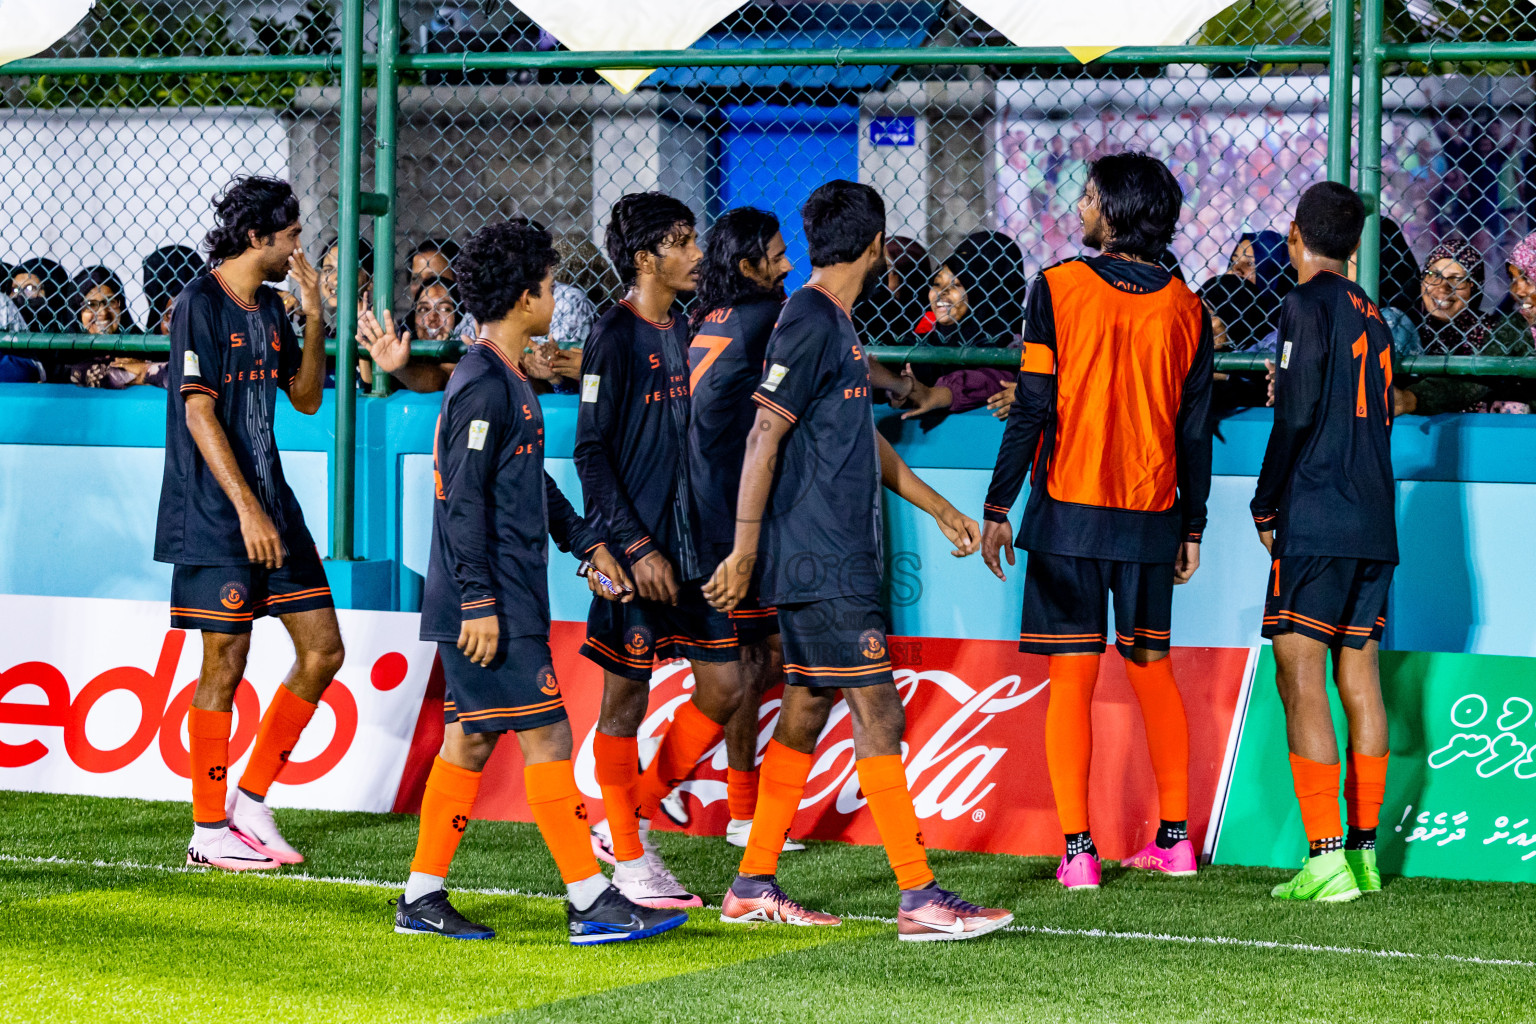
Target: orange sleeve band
x=1037, y=358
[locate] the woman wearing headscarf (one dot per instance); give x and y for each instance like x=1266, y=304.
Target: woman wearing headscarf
x=167, y=272
x=1451, y=290
x=976, y=300
x=1516, y=336
x=1244, y=303
x=101, y=308
x=15, y=369
x=894, y=308
x=39, y=288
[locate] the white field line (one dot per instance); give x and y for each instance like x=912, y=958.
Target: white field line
x=1077, y=933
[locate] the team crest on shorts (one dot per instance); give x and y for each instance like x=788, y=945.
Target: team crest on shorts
x=637, y=641
x=548, y=684
x=872, y=644
x=232, y=596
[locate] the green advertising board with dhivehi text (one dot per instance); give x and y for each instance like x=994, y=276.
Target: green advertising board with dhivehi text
x=1461, y=782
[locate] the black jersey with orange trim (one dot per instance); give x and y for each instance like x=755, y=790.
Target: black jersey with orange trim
x=495, y=506
x=239, y=355
x=1111, y=417
x=726, y=355
x=821, y=535
x=1326, y=486
x=632, y=437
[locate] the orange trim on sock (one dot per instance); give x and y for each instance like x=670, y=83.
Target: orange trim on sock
x=446, y=806
x=1162, y=711
x=780, y=788
x=561, y=815
x=1317, y=790
x=741, y=793
x=208, y=747
x=1069, y=736
x=884, y=782
x=1365, y=787
x=618, y=771
x=285, y=719
x=688, y=738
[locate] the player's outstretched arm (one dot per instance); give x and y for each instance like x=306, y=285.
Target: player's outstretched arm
x=961, y=529
x=733, y=576
x=263, y=544
x=308, y=385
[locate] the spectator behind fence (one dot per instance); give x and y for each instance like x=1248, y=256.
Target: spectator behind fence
x=101, y=309
x=890, y=314
x=1516, y=336
x=1244, y=303
x=976, y=300
x=15, y=369
x=40, y=289
x=330, y=283
x=435, y=316
x=1451, y=290
x=432, y=257
x=167, y=272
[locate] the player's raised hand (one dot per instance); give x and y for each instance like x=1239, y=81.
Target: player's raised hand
x=996, y=544
x=732, y=577
x=1186, y=562
x=390, y=350
x=479, y=638
x=609, y=566
x=263, y=544
x=961, y=530
x=655, y=580
x=308, y=279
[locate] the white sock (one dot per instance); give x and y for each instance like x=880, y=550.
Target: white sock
x=244, y=802
x=421, y=884
x=632, y=865
x=584, y=893
x=645, y=832
x=209, y=833
x=740, y=823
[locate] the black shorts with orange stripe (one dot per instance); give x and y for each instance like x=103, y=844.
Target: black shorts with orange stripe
x=754, y=623
x=1066, y=605
x=227, y=598
x=838, y=642
x=516, y=692
x=629, y=639
x=1339, y=601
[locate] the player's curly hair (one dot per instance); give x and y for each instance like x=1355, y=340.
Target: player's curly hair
x=499, y=263
x=249, y=203
x=642, y=222
x=739, y=234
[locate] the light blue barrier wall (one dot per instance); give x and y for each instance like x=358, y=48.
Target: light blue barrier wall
x=80, y=475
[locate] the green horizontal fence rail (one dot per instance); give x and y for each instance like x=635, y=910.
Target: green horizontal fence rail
x=1345, y=55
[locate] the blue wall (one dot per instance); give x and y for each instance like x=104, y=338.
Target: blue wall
x=80, y=480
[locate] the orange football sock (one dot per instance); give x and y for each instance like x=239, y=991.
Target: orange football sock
x=618, y=768
x=208, y=732
x=445, y=810
x=1167, y=734
x=561, y=815
x=783, y=774
x=741, y=793
x=884, y=782
x=1069, y=736
x=689, y=737
x=1365, y=787
x=286, y=717
x=1317, y=790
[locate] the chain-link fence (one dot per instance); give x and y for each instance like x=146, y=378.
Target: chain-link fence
x=447, y=117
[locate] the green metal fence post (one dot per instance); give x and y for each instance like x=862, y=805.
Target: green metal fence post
x=1341, y=87
x=343, y=478
x=1372, y=23
x=386, y=99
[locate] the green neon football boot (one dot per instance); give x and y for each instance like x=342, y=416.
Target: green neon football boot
x=1362, y=864
x=1325, y=879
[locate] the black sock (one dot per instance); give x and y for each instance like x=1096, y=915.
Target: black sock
x=1322, y=846
x=1171, y=834
x=1360, y=838
x=1080, y=842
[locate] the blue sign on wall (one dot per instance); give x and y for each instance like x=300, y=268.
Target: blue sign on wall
x=893, y=131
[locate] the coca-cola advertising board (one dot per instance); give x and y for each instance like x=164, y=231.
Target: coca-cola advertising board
x=974, y=749
x=94, y=696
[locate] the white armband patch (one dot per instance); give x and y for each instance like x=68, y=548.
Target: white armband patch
x=776, y=374
x=477, y=432
x=589, y=384
x=190, y=367
x=1285, y=357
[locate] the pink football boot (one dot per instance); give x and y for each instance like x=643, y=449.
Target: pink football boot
x=1180, y=861
x=1081, y=872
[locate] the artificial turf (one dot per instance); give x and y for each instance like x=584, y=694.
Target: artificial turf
x=135, y=938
